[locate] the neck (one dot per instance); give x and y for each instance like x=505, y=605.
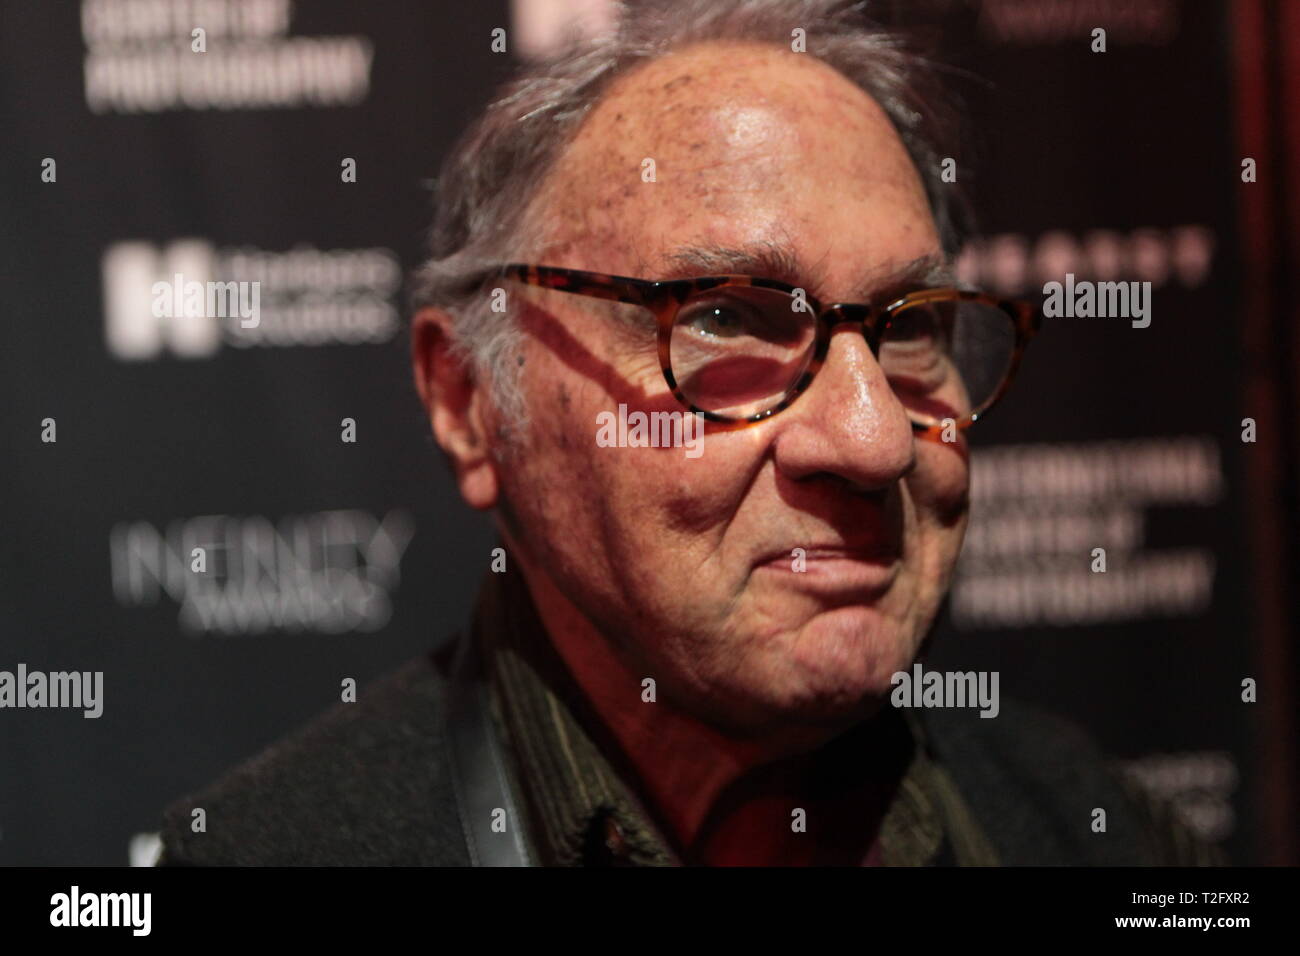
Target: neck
x=722, y=797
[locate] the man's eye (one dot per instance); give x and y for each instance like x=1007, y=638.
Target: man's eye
x=717, y=322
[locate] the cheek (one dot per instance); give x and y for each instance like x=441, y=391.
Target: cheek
x=548, y=471
x=614, y=498
x=939, y=500
x=940, y=485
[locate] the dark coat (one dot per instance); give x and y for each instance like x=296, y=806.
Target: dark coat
x=370, y=783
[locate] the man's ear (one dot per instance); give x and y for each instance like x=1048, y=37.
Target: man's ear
x=456, y=405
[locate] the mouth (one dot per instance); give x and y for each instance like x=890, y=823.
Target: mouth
x=838, y=572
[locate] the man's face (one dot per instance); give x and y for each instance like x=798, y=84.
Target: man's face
x=686, y=564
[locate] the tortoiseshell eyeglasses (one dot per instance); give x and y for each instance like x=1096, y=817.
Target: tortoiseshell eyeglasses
x=739, y=348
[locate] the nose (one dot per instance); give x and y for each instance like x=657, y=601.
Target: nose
x=848, y=424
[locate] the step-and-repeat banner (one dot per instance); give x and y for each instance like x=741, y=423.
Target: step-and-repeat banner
x=1106, y=574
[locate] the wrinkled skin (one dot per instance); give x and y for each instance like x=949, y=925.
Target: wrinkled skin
x=647, y=563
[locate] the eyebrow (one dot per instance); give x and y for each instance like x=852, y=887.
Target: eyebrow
x=772, y=260
x=767, y=259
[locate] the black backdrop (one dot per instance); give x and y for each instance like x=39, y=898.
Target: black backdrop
x=332, y=559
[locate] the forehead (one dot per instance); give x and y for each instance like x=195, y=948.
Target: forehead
x=733, y=144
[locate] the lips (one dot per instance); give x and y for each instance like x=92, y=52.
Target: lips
x=837, y=573
x=877, y=552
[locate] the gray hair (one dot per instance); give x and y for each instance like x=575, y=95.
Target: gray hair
x=488, y=184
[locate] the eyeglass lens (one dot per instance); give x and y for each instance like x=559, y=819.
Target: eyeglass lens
x=738, y=351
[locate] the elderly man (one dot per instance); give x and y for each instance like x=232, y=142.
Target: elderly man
x=689, y=334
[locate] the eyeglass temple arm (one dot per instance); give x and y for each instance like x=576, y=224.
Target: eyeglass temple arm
x=578, y=282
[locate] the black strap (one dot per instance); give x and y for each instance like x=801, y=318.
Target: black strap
x=478, y=767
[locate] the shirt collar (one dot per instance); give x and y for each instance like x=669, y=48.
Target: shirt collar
x=581, y=811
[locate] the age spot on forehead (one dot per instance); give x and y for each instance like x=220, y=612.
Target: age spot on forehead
x=739, y=135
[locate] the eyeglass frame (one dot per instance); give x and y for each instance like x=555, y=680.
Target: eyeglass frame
x=663, y=298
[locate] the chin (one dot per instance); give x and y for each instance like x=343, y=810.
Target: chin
x=832, y=671
x=842, y=661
